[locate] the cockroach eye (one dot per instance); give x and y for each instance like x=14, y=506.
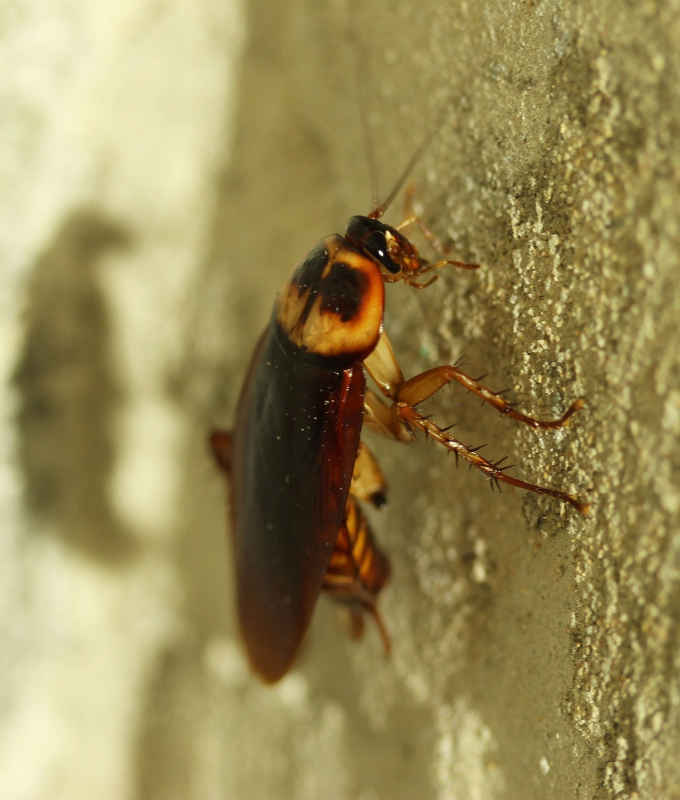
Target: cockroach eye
x=376, y=245
x=369, y=235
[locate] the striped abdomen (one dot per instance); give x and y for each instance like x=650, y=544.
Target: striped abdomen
x=358, y=570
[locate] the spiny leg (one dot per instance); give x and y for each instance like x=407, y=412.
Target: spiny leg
x=430, y=266
x=399, y=420
x=383, y=367
x=420, y=387
x=493, y=470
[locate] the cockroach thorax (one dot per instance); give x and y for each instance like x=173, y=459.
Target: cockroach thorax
x=333, y=305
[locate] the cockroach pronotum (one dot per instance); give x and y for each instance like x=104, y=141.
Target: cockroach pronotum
x=294, y=459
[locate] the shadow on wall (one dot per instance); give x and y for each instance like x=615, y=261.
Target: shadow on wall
x=68, y=390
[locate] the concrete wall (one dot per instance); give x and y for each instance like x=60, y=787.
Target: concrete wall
x=162, y=168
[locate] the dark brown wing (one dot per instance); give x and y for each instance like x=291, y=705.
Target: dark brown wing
x=293, y=450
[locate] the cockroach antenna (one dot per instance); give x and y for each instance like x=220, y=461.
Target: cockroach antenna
x=381, y=208
x=359, y=71
x=360, y=61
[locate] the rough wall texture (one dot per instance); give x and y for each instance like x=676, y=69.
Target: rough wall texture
x=163, y=167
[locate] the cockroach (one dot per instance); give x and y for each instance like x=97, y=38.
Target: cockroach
x=295, y=464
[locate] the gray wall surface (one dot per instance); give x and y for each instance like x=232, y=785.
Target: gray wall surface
x=163, y=166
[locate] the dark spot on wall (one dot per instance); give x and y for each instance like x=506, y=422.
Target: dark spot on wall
x=68, y=390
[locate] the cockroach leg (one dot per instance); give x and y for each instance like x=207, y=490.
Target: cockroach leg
x=495, y=472
x=357, y=626
x=383, y=367
x=356, y=619
x=368, y=481
x=420, y=387
x=417, y=285
x=382, y=630
x=380, y=418
x=402, y=418
x=221, y=445
x=430, y=266
x=412, y=218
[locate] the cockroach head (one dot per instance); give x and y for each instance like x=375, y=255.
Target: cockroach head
x=384, y=245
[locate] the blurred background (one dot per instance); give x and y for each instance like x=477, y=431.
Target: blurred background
x=163, y=167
